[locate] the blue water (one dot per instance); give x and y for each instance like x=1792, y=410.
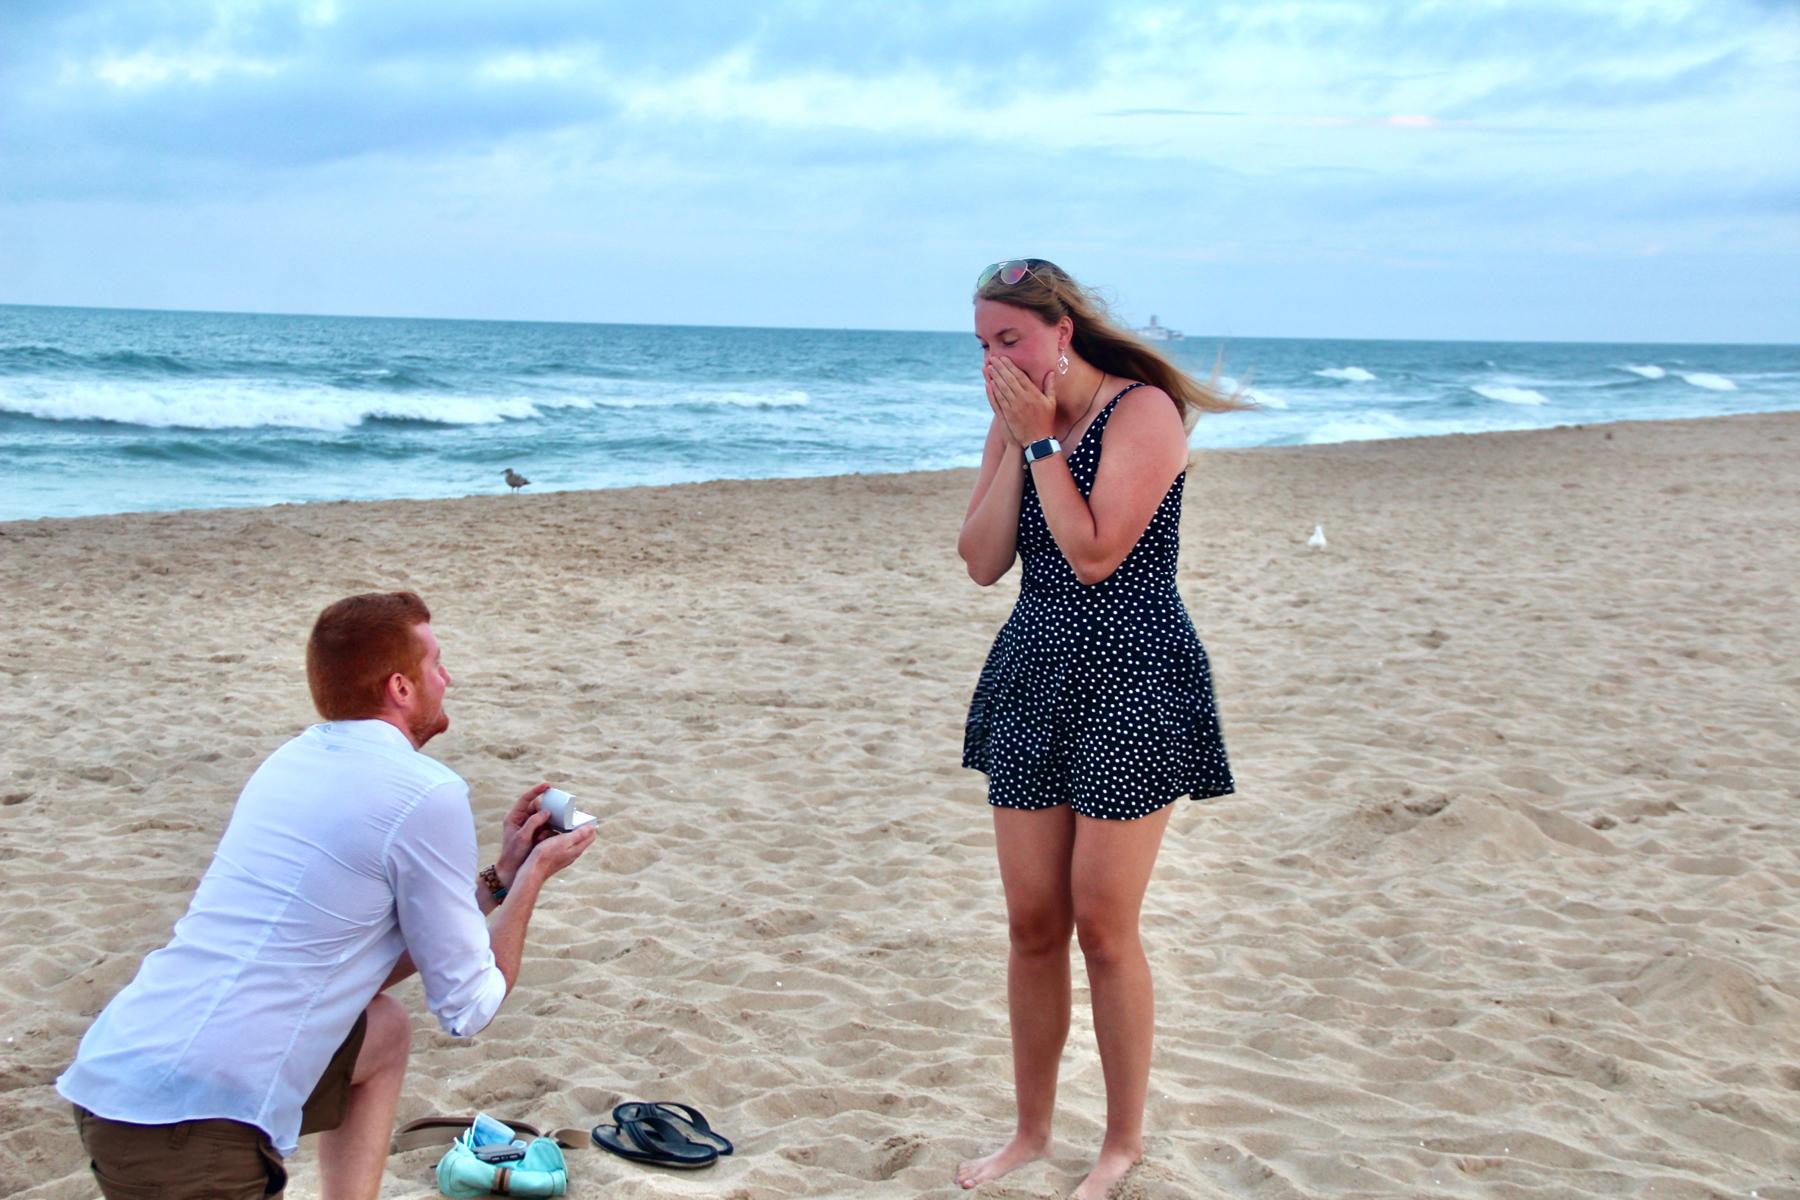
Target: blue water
x=112, y=411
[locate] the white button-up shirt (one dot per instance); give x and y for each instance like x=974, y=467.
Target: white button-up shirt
x=347, y=847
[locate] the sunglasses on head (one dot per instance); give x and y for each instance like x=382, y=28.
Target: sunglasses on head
x=1010, y=271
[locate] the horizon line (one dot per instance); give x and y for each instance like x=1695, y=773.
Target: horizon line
x=225, y=312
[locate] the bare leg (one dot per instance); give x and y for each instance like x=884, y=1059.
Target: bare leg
x=1112, y=864
x=352, y=1156
x=1034, y=848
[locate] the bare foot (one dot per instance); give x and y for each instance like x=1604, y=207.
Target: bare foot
x=1111, y=1167
x=1015, y=1153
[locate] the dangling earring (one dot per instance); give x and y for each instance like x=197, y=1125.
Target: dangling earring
x=1062, y=365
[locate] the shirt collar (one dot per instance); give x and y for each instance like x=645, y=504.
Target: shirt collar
x=371, y=730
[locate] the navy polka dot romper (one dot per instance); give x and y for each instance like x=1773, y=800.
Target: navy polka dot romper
x=1099, y=696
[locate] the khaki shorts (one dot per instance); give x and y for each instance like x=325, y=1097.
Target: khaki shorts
x=228, y=1160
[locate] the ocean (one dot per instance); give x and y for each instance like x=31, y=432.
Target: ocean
x=106, y=411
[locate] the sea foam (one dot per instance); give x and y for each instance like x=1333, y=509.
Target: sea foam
x=1510, y=395
x=218, y=405
x=1361, y=427
x=1347, y=374
x=1231, y=386
x=1650, y=371
x=1709, y=381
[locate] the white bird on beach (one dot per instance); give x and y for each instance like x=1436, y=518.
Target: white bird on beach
x=514, y=480
x=1317, y=540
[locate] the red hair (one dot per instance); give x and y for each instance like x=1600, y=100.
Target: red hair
x=356, y=645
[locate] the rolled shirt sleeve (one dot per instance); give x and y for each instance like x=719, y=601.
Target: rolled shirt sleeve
x=431, y=863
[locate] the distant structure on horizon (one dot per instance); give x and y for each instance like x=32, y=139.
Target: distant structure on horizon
x=1157, y=332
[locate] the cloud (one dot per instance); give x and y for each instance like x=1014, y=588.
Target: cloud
x=1614, y=85
x=1174, y=112
x=573, y=133
x=310, y=80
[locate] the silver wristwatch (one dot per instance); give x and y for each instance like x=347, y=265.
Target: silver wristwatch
x=1042, y=448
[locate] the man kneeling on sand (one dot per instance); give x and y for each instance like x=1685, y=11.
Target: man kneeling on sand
x=348, y=864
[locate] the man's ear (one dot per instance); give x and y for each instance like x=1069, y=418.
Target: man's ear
x=399, y=688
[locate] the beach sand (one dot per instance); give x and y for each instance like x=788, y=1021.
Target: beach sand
x=1507, y=904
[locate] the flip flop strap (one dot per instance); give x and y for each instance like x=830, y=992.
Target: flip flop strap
x=704, y=1133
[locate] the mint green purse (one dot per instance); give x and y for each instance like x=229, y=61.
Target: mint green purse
x=464, y=1175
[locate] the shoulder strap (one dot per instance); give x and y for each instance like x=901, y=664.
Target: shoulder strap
x=571, y=1139
x=440, y=1131
x=1123, y=392
x=1105, y=415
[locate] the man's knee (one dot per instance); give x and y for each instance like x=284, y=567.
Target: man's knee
x=388, y=1039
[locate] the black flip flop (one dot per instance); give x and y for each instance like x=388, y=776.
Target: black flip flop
x=653, y=1142
x=689, y=1121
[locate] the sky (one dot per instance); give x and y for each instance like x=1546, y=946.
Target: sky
x=1602, y=170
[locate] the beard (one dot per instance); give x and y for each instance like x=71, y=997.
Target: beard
x=426, y=726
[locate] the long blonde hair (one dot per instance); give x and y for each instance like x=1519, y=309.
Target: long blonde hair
x=1050, y=292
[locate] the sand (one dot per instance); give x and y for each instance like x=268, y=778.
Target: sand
x=1507, y=904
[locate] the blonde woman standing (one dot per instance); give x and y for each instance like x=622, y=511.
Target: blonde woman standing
x=1095, y=709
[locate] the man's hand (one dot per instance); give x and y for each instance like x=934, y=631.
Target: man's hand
x=559, y=850
x=506, y=924
x=521, y=827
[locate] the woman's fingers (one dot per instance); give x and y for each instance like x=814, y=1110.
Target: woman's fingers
x=999, y=394
x=1019, y=383
x=1016, y=388
x=998, y=389
x=1000, y=414
x=1007, y=378
x=993, y=398
x=1017, y=401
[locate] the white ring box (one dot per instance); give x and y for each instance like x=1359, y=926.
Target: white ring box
x=564, y=816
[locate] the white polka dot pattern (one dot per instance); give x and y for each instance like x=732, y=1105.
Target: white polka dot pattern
x=1097, y=696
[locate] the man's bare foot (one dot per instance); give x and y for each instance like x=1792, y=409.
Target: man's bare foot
x=1109, y=1169
x=1015, y=1153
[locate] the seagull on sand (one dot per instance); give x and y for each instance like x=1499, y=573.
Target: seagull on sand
x=514, y=480
x=1317, y=540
